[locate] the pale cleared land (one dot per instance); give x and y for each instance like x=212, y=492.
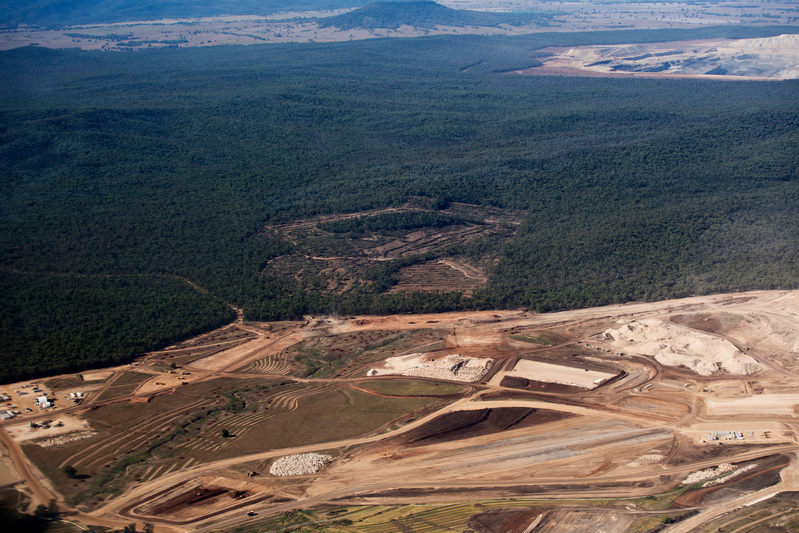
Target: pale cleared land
x=773, y=404
x=726, y=59
x=753, y=59
x=578, y=377
x=62, y=425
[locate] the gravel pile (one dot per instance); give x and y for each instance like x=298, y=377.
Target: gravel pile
x=673, y=345
x=299, y=465
x=72, y=437
x=452, y=367
x=708, y=473
x=726, y=478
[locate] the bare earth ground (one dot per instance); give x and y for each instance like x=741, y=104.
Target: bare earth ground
x=753, y=59
x=633, y=436
x=68, y=424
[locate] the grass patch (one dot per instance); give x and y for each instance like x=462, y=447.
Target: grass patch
x=346, y=355
x=288, y=521
x=325, y=416
x=48, y=460
x=656, y=523
x=131, y=378
x=124, y=385
x=69, y=382
x=383, y=518
x=661, y=501
x=135, y=436
x=413, y=387
x=136, y=439
x=780, y=509
x=546, y=338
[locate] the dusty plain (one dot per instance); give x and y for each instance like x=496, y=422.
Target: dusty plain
x=512, y=451
x=755, y=59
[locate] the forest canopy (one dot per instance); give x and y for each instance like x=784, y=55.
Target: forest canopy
x=169, y=165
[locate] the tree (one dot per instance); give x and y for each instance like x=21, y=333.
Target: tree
x=225, y=433
x=70, y=471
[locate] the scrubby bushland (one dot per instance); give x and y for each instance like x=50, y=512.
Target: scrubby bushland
x=176, y=162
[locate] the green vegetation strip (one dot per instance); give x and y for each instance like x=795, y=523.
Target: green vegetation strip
x=413, y=387
x=418, y=517
x=547, y=339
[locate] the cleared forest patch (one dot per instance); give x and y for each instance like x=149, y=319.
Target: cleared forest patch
x=762, y=58
x=346, y=354
x=408, y=248
x=435, y=276
x=202, y=346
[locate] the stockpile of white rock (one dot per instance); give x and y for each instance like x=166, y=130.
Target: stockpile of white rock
x=452, y=367
x=72, y=437
x=708, y=473
x=726, y=478
x=299, y=465
x=674, y=345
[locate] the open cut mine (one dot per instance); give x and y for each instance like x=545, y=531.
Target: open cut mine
x=628, y=401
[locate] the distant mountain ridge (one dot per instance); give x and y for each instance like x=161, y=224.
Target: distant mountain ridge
x=391, y=15
x=425, y=14
x=71, y=12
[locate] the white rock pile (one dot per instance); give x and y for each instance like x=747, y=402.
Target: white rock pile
x=674, y=345
x=452, y=367
x=726, y=478
x=708, y=473
x=299, y=465
x=72, y=437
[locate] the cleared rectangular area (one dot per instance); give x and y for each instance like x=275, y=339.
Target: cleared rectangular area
x=566, y=375
x=761, y=404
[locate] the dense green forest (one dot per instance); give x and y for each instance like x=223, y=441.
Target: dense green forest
x=171, y=163
x=51, y=324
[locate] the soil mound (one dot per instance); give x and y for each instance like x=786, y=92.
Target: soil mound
x=674, y=345
x=466, y=424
